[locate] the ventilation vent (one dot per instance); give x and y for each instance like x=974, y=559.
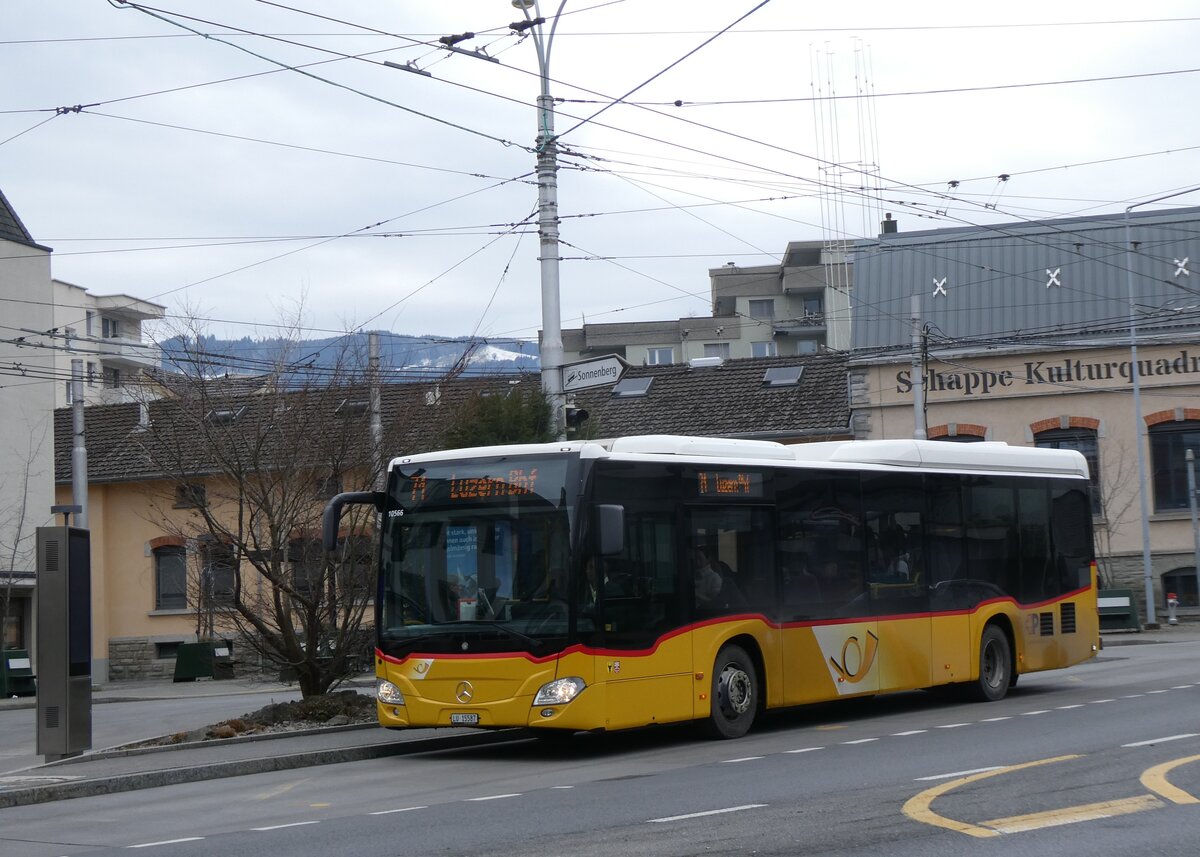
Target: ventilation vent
x=52, y=716
x=1047, y=624
x=1066, y=618
x=51, y=556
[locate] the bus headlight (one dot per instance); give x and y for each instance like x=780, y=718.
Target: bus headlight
x=560, y=691
x=388, y=693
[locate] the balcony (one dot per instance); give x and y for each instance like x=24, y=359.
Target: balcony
x=128, y=354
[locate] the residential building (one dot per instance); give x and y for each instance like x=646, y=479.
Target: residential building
x=1027, y=339
x=800, y=306
x=105, y=333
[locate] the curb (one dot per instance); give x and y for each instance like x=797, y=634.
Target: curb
x=220, y=770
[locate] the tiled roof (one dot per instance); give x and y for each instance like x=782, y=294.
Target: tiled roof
x=729, y=400
x=11, y=227
x=119, y=450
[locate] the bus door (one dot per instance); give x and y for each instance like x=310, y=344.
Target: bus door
x=634, y=601
x=893, y=517
x=953, y=589
x=733, y=585
x=830, y=638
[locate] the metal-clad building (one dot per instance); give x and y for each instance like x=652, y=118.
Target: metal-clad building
x=1054, y=280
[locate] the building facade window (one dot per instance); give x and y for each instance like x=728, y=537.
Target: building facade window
x=91, y=373
x=112, y=377
x=814, y=307
x=218, y=577
x=717, y=349
x=762, y=309
x=1181, y=581
x=190, y=496
x=109, y=328
x=90, y=323
x=1169, y=442
x=1082, y=440
x=307, y=561
x=764, y=349
x=170, y=578
x=660, y=356
x=70, y=392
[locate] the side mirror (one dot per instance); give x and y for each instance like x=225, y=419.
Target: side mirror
x=610, y=529
x=333, y=513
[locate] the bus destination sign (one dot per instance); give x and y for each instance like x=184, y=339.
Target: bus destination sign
x=729, y=483
x=517, y=482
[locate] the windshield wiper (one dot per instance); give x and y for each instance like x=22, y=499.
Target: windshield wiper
x=529, y=641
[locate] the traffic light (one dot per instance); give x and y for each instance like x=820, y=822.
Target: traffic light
x=575, y=416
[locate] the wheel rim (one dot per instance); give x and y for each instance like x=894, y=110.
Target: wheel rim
x=735, y=691
x=992, y=668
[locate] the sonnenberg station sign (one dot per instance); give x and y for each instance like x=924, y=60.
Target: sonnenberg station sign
x=1051, y=374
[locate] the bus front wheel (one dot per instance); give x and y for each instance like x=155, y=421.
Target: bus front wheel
x=735, y=691
x=995, y=666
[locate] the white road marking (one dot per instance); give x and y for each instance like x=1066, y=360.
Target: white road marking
x=402, y=809
x=282, y=826
x=495, y=797
x=1181, y=687
x=702, y=814
x=909, y=732
x=996, y=719
x=952, y=725
x=743, y=759
x=957, y=774
x=1163, y=740
x=1157, y=691
x=562, y=787
x=1039, y=711
x=861, y=741
x=804, y=750
x=1098, y=701
x=1133, y=696
x=1068, y=707
x=166, y=842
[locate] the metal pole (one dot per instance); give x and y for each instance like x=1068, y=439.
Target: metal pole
x=79, y=480
x=1139, y=430
x=547, y=172
x=1191, y=469
x=376, y=407
x=918, y=373
x=1140, y=435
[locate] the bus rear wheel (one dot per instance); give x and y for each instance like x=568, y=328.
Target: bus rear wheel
x=735, y=691
x=995, y=666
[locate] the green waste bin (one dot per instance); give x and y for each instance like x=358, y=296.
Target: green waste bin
x=16, y=673
x=208, y=659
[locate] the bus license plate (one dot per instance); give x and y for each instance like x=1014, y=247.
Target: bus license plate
x=464, y=719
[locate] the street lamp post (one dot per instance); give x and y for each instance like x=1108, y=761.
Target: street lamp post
x=551, y=350
x=1140, y=437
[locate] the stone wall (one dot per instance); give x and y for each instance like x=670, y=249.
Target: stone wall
x=132, y=659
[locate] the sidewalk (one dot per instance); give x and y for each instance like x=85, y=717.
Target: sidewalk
x=116, y=770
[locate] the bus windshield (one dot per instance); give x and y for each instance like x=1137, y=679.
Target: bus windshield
x=475, y=556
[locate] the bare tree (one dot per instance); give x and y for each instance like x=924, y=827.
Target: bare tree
x=1118, y=493
x=17, y=530
x=245, y=466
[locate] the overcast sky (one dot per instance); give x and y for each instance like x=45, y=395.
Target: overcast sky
x=203, y=175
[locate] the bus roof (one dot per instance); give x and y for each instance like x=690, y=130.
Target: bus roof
x=884, y=454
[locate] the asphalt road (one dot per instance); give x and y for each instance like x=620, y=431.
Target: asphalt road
x=1102, y=759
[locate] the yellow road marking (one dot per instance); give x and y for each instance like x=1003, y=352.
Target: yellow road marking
x=1073, y=814
x=918, y=807
x=1155, y=779
x=283, y=789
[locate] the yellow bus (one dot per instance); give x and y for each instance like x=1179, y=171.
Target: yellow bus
x=598, y=585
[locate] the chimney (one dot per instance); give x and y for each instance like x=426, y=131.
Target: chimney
x=888, y=226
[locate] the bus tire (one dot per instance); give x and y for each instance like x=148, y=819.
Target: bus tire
x=995, y=666
x=735, y=692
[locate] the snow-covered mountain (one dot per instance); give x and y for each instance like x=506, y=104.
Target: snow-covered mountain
x=402, y=358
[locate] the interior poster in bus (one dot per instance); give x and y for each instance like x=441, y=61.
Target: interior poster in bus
x=462, y=562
